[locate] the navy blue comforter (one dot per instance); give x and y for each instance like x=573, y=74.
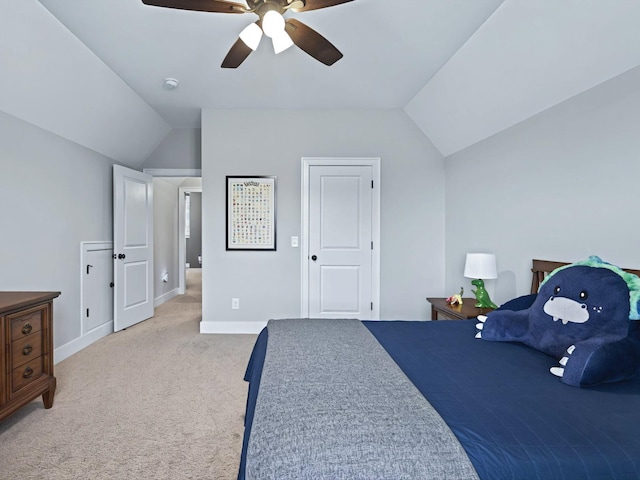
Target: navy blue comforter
x=514, y=419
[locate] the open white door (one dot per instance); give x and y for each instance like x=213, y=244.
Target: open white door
x=132, y=246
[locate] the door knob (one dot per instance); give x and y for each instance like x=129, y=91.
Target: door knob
x=314, y=257
x=121, y=256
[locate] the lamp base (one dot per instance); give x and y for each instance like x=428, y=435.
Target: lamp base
x=482, y=296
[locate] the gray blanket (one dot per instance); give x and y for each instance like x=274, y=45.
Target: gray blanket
x=334, y=405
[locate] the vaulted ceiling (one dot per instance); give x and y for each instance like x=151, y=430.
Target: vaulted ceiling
x=462, y=69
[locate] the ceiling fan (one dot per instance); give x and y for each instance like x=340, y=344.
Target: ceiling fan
x=283, y=33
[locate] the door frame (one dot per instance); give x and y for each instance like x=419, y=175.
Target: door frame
x=374, y=163
x=85, y=249
x=86, y=338
x=182, y=241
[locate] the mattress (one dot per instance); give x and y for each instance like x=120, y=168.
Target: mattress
x=512, y=417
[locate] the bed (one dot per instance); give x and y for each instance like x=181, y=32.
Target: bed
x=403, y=399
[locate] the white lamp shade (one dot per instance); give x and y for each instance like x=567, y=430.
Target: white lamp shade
x=272, y=23
x=281, y=42
x=480, y=265
x=251, y=36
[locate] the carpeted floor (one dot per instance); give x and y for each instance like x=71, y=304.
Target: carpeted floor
x=156, y=401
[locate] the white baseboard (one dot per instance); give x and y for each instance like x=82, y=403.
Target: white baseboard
x=165, y=297
x=232, y=327
x=74, y=346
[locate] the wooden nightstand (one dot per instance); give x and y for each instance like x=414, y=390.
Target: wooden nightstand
x=441, y=310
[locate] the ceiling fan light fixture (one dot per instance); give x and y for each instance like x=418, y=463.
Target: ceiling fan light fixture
x=296, y=4
x=272, y=23
x=281, y=42
x=251, y=36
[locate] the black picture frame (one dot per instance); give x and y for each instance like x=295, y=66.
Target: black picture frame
x=251, y=213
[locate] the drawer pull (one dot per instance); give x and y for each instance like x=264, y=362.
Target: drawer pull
x=27, y=372
x=27, y=349
x=26, y=329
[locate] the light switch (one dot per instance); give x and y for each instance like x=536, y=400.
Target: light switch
x=294, y=242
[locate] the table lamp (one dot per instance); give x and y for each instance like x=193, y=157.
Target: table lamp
x=480, y=267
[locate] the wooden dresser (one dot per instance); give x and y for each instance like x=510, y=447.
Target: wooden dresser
x=26, y=360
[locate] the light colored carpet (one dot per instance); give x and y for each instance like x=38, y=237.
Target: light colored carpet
x=156, y=401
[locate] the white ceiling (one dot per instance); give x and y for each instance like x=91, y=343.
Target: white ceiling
x=529, y=56
x=390, y=49
x=92, y=70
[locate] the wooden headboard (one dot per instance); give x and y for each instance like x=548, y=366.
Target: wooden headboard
x=541, y=268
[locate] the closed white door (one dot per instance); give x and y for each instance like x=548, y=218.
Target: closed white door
x=340, y=242
x=132, y=246
x=97, y=281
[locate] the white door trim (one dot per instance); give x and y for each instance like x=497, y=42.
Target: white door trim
x=374, y=163
x=87, y=337
x=85, y=249
x=182, y=241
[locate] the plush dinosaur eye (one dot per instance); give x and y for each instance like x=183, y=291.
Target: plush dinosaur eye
x=584, y=295
x=556, y=290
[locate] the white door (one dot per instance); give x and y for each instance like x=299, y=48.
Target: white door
x=97, y=281
x=340, y=242
x=132, y=246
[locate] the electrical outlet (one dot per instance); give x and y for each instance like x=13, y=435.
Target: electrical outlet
x=235, y=303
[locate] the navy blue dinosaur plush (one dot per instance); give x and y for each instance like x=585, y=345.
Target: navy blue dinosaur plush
x=585, y=314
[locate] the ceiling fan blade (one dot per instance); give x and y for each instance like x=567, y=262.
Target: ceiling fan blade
x=316, y=4
x=312, y=42
x=216, y=6
x=237, y=54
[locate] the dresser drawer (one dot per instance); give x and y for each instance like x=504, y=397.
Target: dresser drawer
x=26, y=349
x=26, y=323
x=25, y=374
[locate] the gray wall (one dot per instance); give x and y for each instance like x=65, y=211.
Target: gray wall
x=412, y=206
x=562, y=185
x=52, y=80
x=54, y=194
x=194, y=242
x=179, y=149
x=165, y=236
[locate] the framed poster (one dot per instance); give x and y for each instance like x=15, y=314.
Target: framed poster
x=251, y=213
